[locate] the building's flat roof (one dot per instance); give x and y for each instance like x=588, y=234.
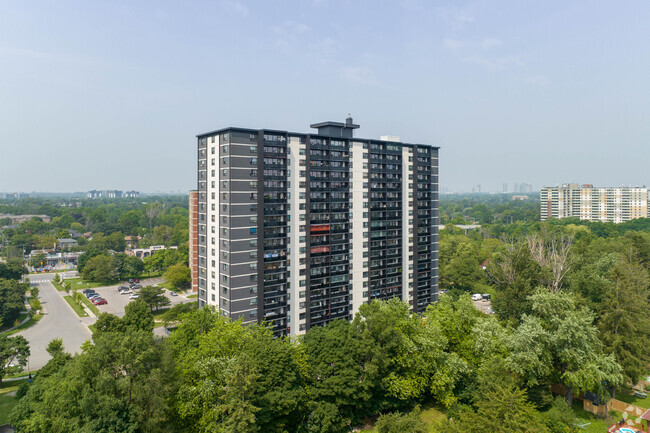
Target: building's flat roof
x=315, y=135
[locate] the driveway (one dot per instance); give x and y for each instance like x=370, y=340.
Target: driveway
x=59, y=321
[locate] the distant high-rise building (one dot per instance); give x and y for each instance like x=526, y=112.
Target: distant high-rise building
x=505, y=187
x=112, y=193
x=301, y=229
x=605, y=204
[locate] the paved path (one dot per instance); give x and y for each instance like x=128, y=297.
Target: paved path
x=60, y=321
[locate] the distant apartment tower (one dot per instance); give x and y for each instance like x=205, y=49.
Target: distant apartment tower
x=606, y=204
x=112, y=193
x=194, y=239
x=300, y=229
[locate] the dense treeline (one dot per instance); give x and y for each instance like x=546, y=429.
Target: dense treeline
x=487, y=209
x=570, y=307
x=158, y=220
x=213, y=374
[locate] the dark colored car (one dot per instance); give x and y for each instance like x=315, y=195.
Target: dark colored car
x=99, y=301
x=86, y=291
x=122, y=288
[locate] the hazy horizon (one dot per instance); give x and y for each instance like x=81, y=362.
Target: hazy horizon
x=112, y=95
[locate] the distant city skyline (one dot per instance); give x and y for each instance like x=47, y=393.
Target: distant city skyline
x=111, y=95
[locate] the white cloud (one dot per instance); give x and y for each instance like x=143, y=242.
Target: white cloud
x=490, y=42
x=358, y=74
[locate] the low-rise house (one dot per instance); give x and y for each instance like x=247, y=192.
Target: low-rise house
x=65, y=244
x=146, y=252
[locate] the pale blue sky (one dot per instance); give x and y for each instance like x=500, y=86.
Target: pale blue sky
x=110, y=94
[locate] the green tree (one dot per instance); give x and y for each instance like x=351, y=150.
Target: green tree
x=55, y=347
x=399, y=423
x=501, y=409
x=13, y=269
x=100, y=269
x=38, y=261
x=154, y=297
x=563, y=342
x=12, y=300
x=178, y=276
x=625, y=322
x=119, y=384
x=137, y=317
x=463, y=270
x=515, y=276
x=14, y=352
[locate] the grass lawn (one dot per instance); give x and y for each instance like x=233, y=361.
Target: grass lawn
x=92, y=328
x=73, y=283
x=590, y=423
x=166, y=285
x=31, y=322
x=75, y=306
x=90, y=305
x=631, y=399
x=429, y=414
x=58, y=286
x=157, y=313
x=6, y=404
x=192, y=296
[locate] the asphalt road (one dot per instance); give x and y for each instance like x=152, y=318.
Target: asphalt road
x=59, y=321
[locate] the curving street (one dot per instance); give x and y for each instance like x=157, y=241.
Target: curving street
x=59, y=321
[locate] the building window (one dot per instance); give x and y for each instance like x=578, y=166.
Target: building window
x=253, y=230
x=253, y=149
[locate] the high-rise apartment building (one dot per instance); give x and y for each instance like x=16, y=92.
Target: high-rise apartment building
x=301, y=229
x=594, y=204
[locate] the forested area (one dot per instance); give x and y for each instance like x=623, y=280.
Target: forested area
x=158, y=220
x=570, y=301
x=107, y=223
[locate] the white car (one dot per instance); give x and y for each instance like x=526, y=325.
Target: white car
x=134, y=296
x=125, y=292
x=476, y=297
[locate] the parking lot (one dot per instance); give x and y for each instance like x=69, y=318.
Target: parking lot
x=117, y=301
x=483, y=306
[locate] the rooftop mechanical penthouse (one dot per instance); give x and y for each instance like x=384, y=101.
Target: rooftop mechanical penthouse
x=299, y=229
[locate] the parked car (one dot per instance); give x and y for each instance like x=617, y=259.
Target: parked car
x=136, y=281
x=122, y=288
x=486, y=296
x=131, y=281
x=173, y=293
x=476, y=297
x=86, y=291
x=134, y=296
x=93, y=295
x=125, y=292
x=136, y=286
x=100, y=301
